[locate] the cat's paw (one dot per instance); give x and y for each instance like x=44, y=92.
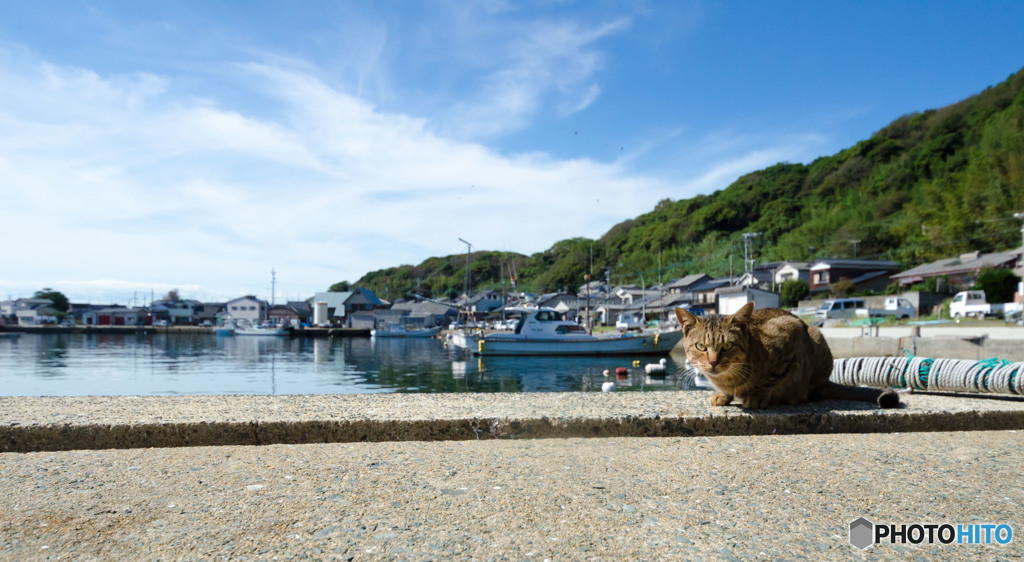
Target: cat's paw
x=889, y=399
x=720, y=399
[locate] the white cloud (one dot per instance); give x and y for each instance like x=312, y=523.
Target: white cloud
x=130, y=189
x=541, y=59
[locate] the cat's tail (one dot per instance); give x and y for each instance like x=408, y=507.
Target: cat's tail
x=884, y=398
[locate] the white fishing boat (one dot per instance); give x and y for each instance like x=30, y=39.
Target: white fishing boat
x=395, y=330
x=260, y=330
x=544, y=331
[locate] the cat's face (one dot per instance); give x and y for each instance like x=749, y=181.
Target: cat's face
x=714, y=344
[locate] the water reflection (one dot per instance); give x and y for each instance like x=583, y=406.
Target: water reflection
x=163, y=364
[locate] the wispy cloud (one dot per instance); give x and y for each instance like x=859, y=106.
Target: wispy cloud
x=135, y=189
x=540, y=60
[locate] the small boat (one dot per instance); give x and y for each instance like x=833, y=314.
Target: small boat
x=260, y=330
x=544, y=331
x=224, y=331
x=395, y=330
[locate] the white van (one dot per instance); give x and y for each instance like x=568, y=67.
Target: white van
x=839, y=308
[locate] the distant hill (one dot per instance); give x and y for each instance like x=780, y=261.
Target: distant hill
x=928, y=185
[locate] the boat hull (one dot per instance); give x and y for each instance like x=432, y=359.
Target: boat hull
x=401, y=333
x=261, y=332
x=509, y=345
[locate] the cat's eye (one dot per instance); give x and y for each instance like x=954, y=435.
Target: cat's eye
x=701, y=347
x=727, y=346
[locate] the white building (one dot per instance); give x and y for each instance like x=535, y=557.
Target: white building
x=247, y=308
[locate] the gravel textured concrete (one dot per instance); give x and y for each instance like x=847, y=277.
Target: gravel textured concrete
x=51, y=423
x=711, y=498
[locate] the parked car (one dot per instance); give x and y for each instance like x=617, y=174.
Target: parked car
x=839, y=308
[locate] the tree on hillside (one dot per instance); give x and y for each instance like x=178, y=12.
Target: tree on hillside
x=60, y=302
x=999, y=284
x=340, y=287
x=842, y=288
x=171, y=296
x=792, y=291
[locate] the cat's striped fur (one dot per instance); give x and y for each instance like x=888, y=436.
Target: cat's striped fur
x=766, y=357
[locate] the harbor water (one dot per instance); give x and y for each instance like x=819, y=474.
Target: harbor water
x=176, y=364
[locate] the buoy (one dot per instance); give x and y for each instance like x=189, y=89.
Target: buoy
x=607, y=373
x=655, y=368
x=636, y=363
x=608, y=387
x=621, y=371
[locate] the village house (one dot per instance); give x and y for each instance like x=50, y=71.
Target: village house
x=115, y=316
x=782, y=271
x=354, y=309
x=247, y=309
x=866, y=275
x=207, y=313
x=684, y=284
x=292, y=312
x=961, y=271
x=28, y=312
x=731, y=299
x=418, y=314
x=704, y=297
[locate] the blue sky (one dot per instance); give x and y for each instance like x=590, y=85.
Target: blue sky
x=146, y=146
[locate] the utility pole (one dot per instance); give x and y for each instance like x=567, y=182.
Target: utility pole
x=273, y=285
x=586, y=279
x=747, y=262
x=854, y=242
x=643, y=292
x=1020, y=216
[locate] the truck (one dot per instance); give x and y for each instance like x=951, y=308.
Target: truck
x=629, y=321
x=899, y=307
x=974, y=304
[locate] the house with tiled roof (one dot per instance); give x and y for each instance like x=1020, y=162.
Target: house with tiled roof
x=960, y=271
x=866, y=275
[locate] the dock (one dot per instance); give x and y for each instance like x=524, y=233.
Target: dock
x=573, y=476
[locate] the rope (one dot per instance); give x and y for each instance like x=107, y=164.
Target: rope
x=989, y=376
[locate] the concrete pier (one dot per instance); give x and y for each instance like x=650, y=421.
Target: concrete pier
x=505, y=476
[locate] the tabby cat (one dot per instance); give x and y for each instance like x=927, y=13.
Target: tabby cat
x=767, y=357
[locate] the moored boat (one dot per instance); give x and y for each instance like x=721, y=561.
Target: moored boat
x=394, y=330
x=260, y=330
x=544, y=331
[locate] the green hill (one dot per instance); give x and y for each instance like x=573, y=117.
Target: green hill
x=928, y=185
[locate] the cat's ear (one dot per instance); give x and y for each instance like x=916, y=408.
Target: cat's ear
x=742, y=315
x=686, y=320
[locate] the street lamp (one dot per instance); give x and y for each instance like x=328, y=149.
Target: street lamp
x=643, y=290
